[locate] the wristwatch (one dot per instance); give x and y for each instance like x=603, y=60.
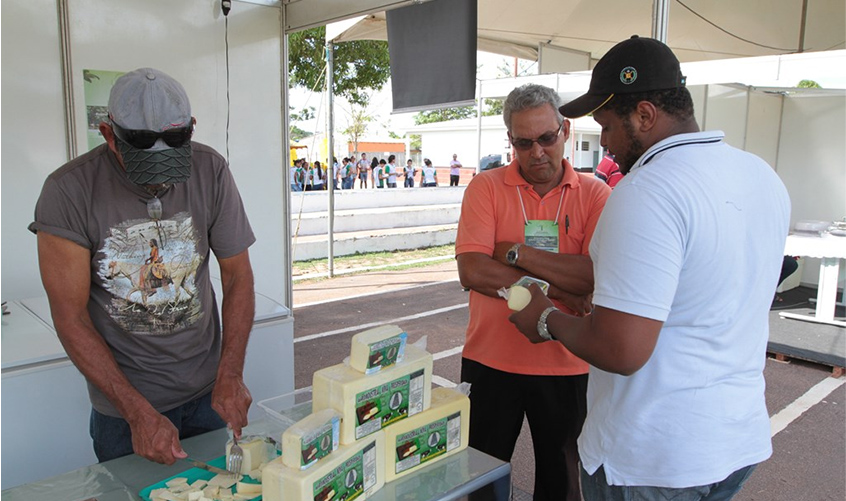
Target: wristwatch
x=513, y=254
x=543, y=331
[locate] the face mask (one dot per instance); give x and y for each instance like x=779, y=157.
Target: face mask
x=151, y=167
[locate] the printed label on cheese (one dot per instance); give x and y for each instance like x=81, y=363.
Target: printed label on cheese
x=387, y=403
x=428, y=442
x=349, y=480
x=319, y=443
x=386, y=352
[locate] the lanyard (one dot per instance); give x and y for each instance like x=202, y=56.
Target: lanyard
x=557, y=214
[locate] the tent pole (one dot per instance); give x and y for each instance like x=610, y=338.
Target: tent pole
x=479, y=131
x=330, y=160
x=660, y=19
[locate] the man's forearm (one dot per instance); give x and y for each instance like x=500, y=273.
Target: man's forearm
x=238, y=313
x=572, y=273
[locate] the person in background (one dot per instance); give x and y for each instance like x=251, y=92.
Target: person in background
x=336, y=173
x=380, y=173
x=363, y=171
x=374, y=164
x=534, y=217
x=677, y=345
x=608, y=171
x=318, y=176
x=159, y=366
x=454, y=170
x=390, y=171
x=308, y=175
x=348, y=174
x=409, y=171
x=428, y=175
x=296, y=174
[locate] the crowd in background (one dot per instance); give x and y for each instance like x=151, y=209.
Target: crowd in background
x=375, y=172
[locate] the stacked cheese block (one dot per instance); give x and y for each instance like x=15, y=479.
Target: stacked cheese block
x=391, y=421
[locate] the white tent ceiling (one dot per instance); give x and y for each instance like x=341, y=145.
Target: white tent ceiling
x=698, y=30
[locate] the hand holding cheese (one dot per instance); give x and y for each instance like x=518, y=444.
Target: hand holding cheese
x=518, y=297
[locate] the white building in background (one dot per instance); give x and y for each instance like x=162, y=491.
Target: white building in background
x=440, y=140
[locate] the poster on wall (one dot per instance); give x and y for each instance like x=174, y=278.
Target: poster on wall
x=98, y=84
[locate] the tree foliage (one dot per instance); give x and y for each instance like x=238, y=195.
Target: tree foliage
x=808, y=84
x=359, y=66
x=492, y=107
x=357, y=125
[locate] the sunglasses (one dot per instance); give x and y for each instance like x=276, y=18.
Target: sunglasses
x=145, y=139
x=544, y=140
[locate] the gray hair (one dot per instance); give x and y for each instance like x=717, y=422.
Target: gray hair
x=527, y=97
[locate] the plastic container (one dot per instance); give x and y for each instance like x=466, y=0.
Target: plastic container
x=284, y=410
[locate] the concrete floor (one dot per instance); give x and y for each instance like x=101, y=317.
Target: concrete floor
x=809, y=454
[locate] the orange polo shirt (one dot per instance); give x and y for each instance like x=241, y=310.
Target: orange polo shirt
x=491, y=212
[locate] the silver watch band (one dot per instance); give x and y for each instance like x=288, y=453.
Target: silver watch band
x=543, y=330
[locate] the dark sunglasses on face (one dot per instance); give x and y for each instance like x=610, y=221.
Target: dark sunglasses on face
x=145, y=139
x=544, y=140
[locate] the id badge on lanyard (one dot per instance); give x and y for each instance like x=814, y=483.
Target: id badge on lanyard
x=539, y=233
x=542, y=235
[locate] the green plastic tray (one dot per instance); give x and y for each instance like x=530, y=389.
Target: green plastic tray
x=196, y=474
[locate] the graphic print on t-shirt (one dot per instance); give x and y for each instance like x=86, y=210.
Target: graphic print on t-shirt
x=149, y=268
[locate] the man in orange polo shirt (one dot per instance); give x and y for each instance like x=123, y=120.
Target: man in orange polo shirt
x=534, y=217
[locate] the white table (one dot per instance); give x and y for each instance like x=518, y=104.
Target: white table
x=830, y=249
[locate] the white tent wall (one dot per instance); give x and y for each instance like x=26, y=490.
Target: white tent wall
x=812, y=162
x=184, y=39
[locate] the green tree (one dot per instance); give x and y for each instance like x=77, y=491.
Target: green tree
x=491, y=107
x=358, y=122
x=808, y=84
x=360, y=66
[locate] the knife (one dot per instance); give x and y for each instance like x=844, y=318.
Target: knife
x=208, y=467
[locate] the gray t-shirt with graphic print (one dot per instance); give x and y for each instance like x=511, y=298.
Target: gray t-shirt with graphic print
x=151, y=298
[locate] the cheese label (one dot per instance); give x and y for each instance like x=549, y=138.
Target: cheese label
x=320, y=442
x=427, y=442
x=387, y=403
x=386, y=352
x=350, y=479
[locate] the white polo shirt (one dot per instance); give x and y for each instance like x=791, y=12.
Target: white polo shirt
x=693, y=236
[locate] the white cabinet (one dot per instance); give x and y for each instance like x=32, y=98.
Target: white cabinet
x=45, y=405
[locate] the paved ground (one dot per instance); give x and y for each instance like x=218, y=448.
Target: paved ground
x=809, y=451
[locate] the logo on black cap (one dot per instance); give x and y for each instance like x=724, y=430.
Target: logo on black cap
x=628, y=75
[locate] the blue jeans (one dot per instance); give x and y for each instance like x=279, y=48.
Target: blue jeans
x=113, y=438
x=595, y=487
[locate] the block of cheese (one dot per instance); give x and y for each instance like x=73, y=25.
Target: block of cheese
x=377, y=348
x=368, y=403
x=310, y=439
x=256, y=452
x=427, y=437
x=518, y=297
x=352, y=470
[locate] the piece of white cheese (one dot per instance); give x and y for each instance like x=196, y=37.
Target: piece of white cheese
x=256, y=451
x=352, y=470
x=311, y=438
x=518, y=297
x=430, y=436
x=368, y=403
x=377, y=348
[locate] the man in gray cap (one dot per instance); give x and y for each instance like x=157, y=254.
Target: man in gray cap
x=686, y=258
x=124, y=233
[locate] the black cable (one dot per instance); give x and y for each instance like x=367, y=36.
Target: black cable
x=730, y=33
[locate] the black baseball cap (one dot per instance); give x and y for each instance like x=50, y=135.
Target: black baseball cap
x=633, y=65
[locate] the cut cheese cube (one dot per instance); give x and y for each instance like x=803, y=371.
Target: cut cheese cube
x=351, y=471
x=368, y=403
x=376, y=348
x=310, y=439
x=256, y=451
x=245, y=488
x=430, y=436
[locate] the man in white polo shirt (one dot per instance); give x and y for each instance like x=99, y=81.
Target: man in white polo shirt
x=686, y=258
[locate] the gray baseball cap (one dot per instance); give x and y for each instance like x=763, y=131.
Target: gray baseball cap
x=149, y=99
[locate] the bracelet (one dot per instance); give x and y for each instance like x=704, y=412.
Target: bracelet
x=543, y=330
